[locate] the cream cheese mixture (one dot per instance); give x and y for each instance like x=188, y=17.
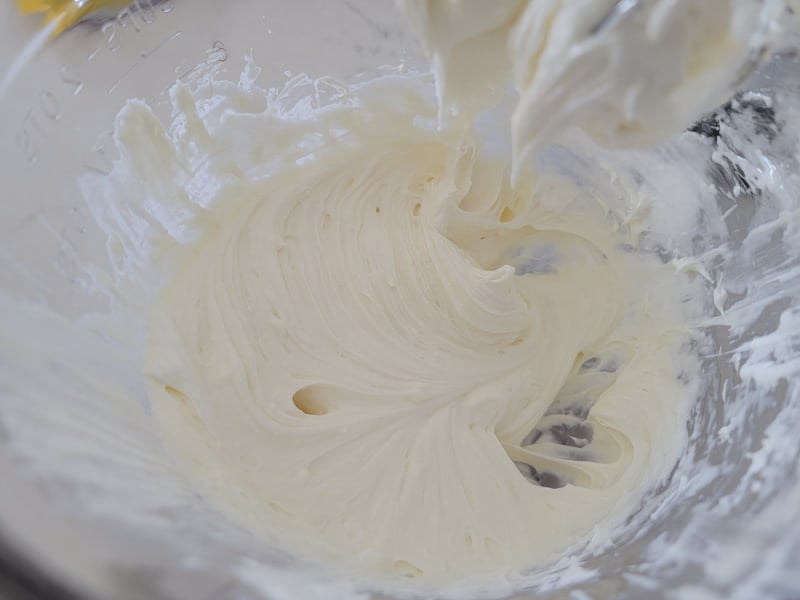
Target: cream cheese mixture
x=360, y=348
x=377, y=352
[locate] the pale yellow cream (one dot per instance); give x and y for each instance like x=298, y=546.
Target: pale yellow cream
x=377, y=352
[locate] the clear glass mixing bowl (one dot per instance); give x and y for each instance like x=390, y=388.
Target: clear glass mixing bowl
x=123, y=524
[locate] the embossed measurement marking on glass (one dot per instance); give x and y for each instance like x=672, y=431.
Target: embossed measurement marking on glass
x=143, y=56
x=38, y=122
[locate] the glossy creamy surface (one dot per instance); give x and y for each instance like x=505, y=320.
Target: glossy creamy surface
x=377, y=352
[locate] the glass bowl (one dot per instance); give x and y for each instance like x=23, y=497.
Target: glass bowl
x=115, y=518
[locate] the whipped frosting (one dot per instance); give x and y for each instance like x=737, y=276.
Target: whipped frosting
x=628, y=81
x=377, y=352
